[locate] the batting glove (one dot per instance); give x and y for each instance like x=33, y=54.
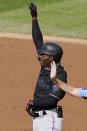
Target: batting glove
x=33, y=9
x=29, y=106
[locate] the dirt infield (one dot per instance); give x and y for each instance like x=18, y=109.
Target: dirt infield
x=19, y=70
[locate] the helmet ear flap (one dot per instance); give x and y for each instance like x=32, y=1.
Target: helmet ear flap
x=57, y=59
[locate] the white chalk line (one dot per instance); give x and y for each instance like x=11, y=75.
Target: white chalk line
x=46, y=38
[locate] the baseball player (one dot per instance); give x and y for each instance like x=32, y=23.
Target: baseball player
x=43, y=108
x=78, y=92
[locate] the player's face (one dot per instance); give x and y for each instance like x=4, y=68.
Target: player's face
x=45, y=60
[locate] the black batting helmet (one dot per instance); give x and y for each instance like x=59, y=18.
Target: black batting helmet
x=52, y=49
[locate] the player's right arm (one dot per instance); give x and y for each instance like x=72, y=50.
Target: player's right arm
x=36, y=32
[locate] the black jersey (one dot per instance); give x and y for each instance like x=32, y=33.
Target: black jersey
x=47, y=94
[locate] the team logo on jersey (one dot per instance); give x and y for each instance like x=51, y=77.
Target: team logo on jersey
x=55, y=88
x=42, y=84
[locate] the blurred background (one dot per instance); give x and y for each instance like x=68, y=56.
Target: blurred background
x=61, y=18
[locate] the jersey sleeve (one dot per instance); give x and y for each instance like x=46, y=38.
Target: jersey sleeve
x=83, y=92
x=37, y=35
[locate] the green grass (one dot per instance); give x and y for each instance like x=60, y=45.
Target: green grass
x=62, y=18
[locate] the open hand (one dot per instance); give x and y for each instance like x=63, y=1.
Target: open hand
x=53, y=71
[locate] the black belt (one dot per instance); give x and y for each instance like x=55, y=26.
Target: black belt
x=39, y=114
x=43, y=112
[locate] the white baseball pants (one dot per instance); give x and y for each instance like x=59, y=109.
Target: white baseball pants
x=48, y=122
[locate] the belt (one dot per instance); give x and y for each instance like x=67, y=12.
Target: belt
x=39, y=114
x=58, y=109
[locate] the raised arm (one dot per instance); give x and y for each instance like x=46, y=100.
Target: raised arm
x=36, y=32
